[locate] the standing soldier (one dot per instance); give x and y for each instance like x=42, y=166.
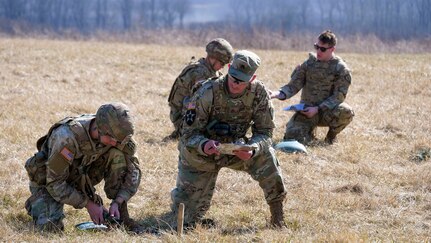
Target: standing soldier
x=219, y=53
x=324, y=79
x=222, y=111
x=75, y=155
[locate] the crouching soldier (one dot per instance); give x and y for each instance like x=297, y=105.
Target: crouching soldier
x=219, y=53
x=222, y=111
x=77, y=154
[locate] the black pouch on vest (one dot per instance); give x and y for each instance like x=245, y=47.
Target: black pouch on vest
x=36, y=168
x=221, y=129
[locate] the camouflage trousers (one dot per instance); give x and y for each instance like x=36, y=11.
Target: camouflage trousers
x=47, y=213
x=195, y=187
x=302, y=128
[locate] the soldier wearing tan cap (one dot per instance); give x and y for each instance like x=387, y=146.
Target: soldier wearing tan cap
x=221, y=112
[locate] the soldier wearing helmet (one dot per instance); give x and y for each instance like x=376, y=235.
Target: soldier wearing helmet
x=78, y=153
x=219, y=53
x=232, y=109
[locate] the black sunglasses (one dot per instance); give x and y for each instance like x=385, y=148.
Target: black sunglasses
x=322, y=49
x=237, y=81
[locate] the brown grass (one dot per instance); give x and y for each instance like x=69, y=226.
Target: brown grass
x=365, y=188
x=254, y=38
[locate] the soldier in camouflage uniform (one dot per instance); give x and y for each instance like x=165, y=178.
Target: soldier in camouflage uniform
x=78, y=153
x=222, y=111
x=219, y=53
x=324, y=79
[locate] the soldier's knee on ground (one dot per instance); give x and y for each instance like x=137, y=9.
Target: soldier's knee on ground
x=302, y=135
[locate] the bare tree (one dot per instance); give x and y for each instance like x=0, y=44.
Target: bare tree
x=182, y=7
x=126, y=13
x=101, y=13
x=169, y=13
x=303, y=6
x=13, y=9
x=149, y=13
x=424, y=12
x=79, y=14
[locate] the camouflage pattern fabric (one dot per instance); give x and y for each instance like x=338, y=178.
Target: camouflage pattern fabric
x=220, y=49
x=113, y=119
x=74, y=164
x=323, y=84
x=198, y=172
x=244, y=65
x=46, y=212
x=182, y=88
x=302, y=128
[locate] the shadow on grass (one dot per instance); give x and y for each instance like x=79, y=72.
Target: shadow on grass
x=158, y=224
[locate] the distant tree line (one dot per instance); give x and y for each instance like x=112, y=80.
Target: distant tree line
x=384, y=18
x=398, y=19
x=89, y=15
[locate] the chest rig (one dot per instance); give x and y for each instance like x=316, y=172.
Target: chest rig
x=320, y=80
x=230, y=117
x=84, y=157
x=88, y=154
x=193, y=64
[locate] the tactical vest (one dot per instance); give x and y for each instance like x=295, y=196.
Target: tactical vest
x=79, y=126
x=192, y=65
x=234, y=115
x=320, y=78
x=35, y=166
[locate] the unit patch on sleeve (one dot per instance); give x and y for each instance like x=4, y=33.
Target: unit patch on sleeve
x=190, y=114
x=66, y=154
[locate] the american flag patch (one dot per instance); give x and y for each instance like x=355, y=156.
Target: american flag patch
x=67, y=154
x=191, y=106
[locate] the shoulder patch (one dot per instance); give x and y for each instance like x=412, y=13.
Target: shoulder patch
x=190, y=116
x=190, y=113
x=66, y=154
x=191, y=105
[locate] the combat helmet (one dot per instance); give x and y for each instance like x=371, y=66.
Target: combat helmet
x=220, y=49
x=114, y=119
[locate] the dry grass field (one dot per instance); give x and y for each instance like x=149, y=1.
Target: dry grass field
x=374, y=185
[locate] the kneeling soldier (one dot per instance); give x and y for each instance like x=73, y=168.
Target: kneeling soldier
x=78, y=153
x=222, y=111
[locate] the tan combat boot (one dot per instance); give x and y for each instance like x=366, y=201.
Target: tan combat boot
x=331, y=137
x=277, y=216
x=129, y=224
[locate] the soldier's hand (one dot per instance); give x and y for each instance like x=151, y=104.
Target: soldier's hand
x=243, y=155
x=114, y=211
x=309, y=112
x=276, y=94
x=95, y=211
x=210, y=147
x=273, y=94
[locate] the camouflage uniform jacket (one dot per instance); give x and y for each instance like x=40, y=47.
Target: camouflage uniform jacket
x=70, y=151
x=323, y=84
x=213, y=104
x=182, y=88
